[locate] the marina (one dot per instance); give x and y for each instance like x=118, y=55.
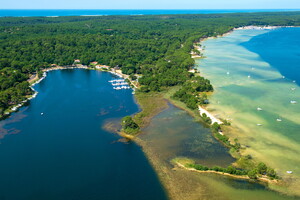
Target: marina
x=120, y=83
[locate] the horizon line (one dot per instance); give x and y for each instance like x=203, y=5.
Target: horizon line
x=149, y=9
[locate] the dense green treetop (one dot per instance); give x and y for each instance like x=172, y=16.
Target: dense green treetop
x=129, y=126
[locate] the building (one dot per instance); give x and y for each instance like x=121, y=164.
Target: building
x=102, y=67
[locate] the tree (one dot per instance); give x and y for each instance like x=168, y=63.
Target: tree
x=144, y=89
x=133, y=77
x=230, y=170
x=252, y=174
x=215, y=127
x=129, y=126
x=262, y=168
x=271, y=172
x=206, y=119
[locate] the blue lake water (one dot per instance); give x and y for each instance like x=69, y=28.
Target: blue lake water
x=74, y=12
x=279, y=48
x=65, y=153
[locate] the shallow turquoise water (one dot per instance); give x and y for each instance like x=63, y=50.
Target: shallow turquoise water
x=273, y=54
x=65, y=153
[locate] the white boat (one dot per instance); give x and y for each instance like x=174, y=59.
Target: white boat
x=289, y=172
x=259, y=109
x=279, y=120
x=227, y=73
x=283, y=76
x=259, y=124
x=249, y=76
x=294, y=81
x=293, y=102
x=42, y=113
x=293, y=88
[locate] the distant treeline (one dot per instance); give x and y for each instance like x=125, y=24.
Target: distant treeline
x=156, y=46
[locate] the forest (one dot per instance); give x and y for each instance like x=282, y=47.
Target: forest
x=157, y=47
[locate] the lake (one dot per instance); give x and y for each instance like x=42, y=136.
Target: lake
x=65, y=153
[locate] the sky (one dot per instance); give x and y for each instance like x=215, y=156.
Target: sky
x=149, y=4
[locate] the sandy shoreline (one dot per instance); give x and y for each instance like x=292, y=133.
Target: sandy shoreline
x=195, y=55
x=244, y=28
x=208, y=114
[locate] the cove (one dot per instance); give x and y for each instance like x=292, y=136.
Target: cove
x=65, y=153
x=174, y=133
